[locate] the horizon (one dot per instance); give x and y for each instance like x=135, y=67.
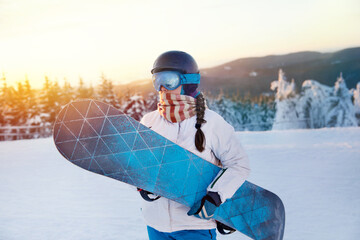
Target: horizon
x=122, y=39
x=144, y=80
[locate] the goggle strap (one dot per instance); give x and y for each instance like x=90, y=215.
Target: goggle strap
x=190, y=78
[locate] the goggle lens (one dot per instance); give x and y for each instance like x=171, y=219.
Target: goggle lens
x=172, y=80
x=167, y=79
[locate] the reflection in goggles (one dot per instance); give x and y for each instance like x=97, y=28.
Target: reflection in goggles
x=172, y=80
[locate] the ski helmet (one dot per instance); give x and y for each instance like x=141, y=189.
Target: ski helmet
x=175, y=61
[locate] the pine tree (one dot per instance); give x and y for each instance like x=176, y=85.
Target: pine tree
x=18, y=107
x=244, y=113
x=49, y=102
x=106, y=92
x=3, y=90
x=313, y=103
x=266, y=113
x=151, y=102
x=10, y=112
x=340, y=111
x=18, y=111
x=68, y=93
x=230, y=111
x=135, y=107
x=83, y=91
x=287, y=115
x=356, y=94
x=246, y=110
x=32, y=108
x=7, y=117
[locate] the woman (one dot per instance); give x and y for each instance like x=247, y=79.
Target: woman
x=183, y=118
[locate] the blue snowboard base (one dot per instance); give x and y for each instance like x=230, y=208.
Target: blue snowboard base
x=99, y=138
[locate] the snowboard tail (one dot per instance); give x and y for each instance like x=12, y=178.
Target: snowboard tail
x=101, y=139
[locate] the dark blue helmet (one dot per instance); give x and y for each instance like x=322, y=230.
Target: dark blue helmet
x=175, y=61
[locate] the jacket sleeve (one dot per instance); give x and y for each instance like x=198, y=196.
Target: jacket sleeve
x=227, y=148
x=145, y=120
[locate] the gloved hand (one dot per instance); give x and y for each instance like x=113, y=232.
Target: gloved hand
x=206, y=208
x=148, y=196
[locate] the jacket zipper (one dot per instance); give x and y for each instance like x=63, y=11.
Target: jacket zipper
x=223, y=170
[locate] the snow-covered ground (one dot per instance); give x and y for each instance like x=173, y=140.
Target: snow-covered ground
x=315, y=172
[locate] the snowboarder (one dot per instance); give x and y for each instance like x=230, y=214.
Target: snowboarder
x=183, y=118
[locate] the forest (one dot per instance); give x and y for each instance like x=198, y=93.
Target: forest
x=30, y=113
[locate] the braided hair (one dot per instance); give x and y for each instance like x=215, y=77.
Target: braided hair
x=200, y=113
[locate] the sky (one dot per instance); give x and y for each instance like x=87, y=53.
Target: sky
x=65, y=39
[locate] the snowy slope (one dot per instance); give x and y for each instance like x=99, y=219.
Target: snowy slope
x=315, y=172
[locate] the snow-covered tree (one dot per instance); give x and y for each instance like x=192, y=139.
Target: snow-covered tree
x=287, y=115
x=18, y=107
x=49, y=101
x=313, y=102
x=230, y=111
x=340, y=112
x=83, y=91
x=32, y=107
x=135, y=107
x=249, y=114
x=285, y=90
x=22, y=109
x=106, y=92
x=243, y=110
x=264, y=112
x=152, y=101
x=3, y=90
x=10, y=113
x=68, y=93
x=356, y=95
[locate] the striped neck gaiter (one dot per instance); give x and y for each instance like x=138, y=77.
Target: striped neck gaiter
x=176, y=108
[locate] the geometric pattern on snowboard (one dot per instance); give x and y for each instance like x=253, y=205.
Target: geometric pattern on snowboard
x=101, y=139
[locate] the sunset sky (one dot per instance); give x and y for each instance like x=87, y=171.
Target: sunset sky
x=122, y=38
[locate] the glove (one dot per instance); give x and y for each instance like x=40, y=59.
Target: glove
x=148, y=196
x=207, y=207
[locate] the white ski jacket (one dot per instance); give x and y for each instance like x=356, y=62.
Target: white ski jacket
x=222, y=148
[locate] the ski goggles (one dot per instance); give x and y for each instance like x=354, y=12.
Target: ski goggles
x=172, y=80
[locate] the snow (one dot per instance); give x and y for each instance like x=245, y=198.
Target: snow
x=136, y=98
x=316, y=106
x=253, y=74
x=315, y=172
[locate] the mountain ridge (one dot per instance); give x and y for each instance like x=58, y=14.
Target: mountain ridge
x=253, y=75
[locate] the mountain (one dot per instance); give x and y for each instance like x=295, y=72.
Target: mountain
x=254, y=75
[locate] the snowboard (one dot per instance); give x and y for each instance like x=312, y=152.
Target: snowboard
x=99, y=138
